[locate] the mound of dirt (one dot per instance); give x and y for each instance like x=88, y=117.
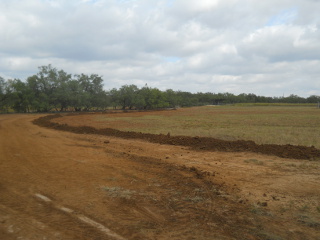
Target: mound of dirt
x=197, y=143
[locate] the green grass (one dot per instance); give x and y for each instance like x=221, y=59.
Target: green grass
x=285, y=124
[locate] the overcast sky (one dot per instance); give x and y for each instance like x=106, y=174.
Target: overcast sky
x=266, y=47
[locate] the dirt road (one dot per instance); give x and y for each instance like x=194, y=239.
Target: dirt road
x=61, y=185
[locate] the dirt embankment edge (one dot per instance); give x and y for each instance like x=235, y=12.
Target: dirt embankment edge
x=197, y=143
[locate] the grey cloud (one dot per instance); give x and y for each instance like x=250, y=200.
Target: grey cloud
x=282, y=43
x=238, y=46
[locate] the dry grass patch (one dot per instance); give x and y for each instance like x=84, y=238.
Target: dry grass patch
x=262, y=124
x=118, y=192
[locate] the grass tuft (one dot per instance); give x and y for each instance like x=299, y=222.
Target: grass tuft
x=254, y=161
x=118, y=192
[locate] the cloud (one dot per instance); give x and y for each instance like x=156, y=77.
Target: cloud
x=262, y=47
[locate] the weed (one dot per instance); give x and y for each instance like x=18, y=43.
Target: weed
x=286, y=207
x=254, y=161
x=258, y=210
x=118, y=192
x=269, y=236
x=318, y=209
x=198, y=190
x=291, y=165
x=310, y=222
x=283, y=209
x=195, y=199
x=303, y=166
x=177, y=193
x=304, y=208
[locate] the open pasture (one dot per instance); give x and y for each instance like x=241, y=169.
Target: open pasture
x=296, y=125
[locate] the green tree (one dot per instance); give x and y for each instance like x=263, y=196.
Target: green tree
x=188, y=99
x=114, y=95
x=127, y=95
x=20, y=95
x=172, y=98
x=76, y=95
x=313, y=99
x=2, y=88
x=4, y=95
x=92, y=92
x=60, y=96
x=294, y=99
x=153, y=98
x=43, y=85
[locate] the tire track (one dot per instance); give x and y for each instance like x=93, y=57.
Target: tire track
x=82, y=217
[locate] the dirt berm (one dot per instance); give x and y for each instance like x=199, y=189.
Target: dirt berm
x=197, y=143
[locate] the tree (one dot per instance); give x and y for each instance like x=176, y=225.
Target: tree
x=188, y=99
x=92, y=91
x=172, y=98
x=19, y=95
x=4, y=95
x=43, y=85
x=313, y=99
x=55, y=89
x=114, y=96
x=2, y=87
x=76, y=95
x=126, y=96
x=60, y=96
x=152, y=98
x=294, y=99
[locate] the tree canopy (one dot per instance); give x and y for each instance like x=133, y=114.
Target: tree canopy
x=55, y=90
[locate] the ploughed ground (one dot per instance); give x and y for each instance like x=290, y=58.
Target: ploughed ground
x=65, y=177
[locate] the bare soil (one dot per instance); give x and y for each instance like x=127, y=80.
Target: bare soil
x=87, y=182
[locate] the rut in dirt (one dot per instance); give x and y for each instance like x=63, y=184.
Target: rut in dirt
x=196, y=143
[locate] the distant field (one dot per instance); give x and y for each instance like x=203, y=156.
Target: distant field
x=274, y=124
x=296, y=125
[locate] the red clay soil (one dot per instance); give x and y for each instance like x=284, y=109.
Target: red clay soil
x=195, y=143
x=62, y=185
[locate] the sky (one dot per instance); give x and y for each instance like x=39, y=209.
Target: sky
x=269, y=48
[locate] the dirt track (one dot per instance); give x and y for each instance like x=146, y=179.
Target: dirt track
x=62, y=185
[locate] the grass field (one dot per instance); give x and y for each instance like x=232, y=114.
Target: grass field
x=287, y=124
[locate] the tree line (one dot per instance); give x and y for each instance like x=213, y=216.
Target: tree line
x=55, y=90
